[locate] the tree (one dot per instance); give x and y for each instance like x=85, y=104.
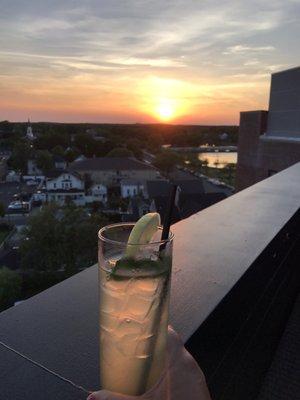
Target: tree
x=61, y=239
x=10, y=287
x=71, y=154
x=166, y=161
x=2, y=210
x=58, y=151
x=217, y=163
x=120, y=152
x=86, y=144
x=205, y=163
x=44, y=160
x=20, y=155
x=117, y=202
x=230, y=170
x=50, y=139
x=135, y=146
x=6, y=126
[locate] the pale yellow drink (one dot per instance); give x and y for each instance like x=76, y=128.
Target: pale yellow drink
x=134, y=299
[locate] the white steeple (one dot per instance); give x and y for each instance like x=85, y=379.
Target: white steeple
x=29, y=133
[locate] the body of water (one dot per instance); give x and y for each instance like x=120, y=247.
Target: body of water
x=218, y=160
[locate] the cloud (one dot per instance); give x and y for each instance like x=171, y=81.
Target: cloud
x=112, y=46
x=241, y=49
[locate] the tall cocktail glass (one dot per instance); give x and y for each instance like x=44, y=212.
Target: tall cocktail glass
x=134, y=302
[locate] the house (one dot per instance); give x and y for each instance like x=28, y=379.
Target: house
x=59, y=162
x=96, y=135
x=136, y=209
x=191, y=198
x=187, y=205
x=81, y=157
x=68, y=186
x=32, y=168
x=40, y=196
x=130, y=188
x=99, y=192
x=13, y=176
x=110, y=171
x=223, y=136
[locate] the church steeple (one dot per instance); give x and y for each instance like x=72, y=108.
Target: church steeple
x=29, y=133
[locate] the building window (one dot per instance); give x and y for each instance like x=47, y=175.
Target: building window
x=70, y=184
x=54, y=185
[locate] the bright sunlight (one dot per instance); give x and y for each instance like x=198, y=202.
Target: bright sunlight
x=165, y=110
x=165, y=99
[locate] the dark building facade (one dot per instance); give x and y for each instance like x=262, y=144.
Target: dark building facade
x=269, y=141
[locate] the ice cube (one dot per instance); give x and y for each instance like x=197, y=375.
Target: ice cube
x=108, y=321
x=110, y=352
x=141, y=307
x=147, y=286
x=111, y=301
x=144, y=346
x=129, y=326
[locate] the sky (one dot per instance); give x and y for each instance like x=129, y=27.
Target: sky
x=142, y=61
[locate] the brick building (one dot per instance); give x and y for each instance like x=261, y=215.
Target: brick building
x=269, y=141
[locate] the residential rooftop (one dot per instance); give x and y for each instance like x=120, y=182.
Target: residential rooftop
x=110, y=163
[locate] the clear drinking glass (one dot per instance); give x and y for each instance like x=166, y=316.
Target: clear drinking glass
x=134, y=302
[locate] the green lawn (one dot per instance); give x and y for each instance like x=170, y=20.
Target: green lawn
x=221, y=174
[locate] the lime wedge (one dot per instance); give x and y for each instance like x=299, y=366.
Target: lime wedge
x=142, y=233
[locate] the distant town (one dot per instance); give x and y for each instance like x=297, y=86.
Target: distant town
x=61, y=182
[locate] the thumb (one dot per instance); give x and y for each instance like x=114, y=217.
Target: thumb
x=106, y=395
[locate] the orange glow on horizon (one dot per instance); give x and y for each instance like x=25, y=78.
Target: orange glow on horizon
x=147, y=99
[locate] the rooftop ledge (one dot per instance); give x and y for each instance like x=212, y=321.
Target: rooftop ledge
x=213, y=249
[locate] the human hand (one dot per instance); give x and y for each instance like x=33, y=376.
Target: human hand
x=183, y=379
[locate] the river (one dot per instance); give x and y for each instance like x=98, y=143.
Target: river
x=215, y=159
x=219, y=159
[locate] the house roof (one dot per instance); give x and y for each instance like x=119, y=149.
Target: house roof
x=56, y=173
x=190, y=186
x=131, y=182
x=191, y=204
x=110, y=163
x=158, y=188
x=72, y=190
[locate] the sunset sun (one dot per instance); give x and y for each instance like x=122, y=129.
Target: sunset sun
x=165, y=111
